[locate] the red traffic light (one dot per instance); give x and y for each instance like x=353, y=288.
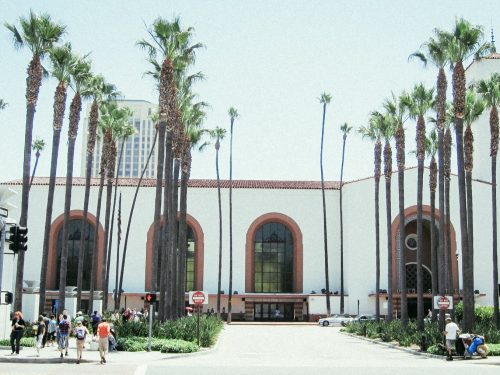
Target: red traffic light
x=150, y=297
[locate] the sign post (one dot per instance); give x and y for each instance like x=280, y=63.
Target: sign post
x=151, y=298
x=198, y=298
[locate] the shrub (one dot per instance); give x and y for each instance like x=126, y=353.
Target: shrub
x=138, y=344
x=27, y=342
x=179, y=346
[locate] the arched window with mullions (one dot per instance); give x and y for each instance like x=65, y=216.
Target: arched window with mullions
x=74, y=245
x=273, y=259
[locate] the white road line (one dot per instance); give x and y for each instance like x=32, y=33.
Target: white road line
x=141, y=370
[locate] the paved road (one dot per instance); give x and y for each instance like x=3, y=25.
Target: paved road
x=275, y=350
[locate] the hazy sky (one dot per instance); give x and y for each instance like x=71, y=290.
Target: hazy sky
x=269, y=59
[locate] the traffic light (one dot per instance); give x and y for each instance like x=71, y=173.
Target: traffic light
x=9, y=298
x=150, y=297
x=18, y=238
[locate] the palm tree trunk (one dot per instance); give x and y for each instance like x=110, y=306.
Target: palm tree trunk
x=220, y=227
x=400, y=150
x=420, y=238
x=496, y=314
x=37, y=156
x=342, y=231
x=182, y=243
x=377, y=158
x=56, y=136
x=95, y=252
x=104, y=265
x=75, y=109
x=92, y=133
x=118, y=299
x=110, y=247
x=175, y=240
x=34, y=81
x=325, y=231
x=60, y=96
x=388, y=175
x=434, y=252
x=468, y=166
x=119, y=224
x=230, y=296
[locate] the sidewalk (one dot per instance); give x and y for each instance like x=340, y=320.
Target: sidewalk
x=50, y=354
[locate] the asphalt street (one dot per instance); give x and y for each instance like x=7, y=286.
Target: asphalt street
x=266, y=349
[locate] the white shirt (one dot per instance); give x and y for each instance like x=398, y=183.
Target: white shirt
x=451, y=331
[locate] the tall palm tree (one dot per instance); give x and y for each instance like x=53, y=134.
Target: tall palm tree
x=218, y=134
x=474, y=107
x=431, y=147
x=465, y=41
x=38, y=146
x=490, y=92
x=233, y=114
x=38, y=33
x=397, y=108
x=373, y=133
x=435, y=50
x=121, y=129
x=345, y=129
x=447, y=256
x=421, y=100
x=100, y=91
x=61, y=59
x=80, y=81
x=325, y=100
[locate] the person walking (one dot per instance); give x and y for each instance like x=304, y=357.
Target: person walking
x=51, y=330
x=450, y=331
x=103, y=331
x=63, y=330
x=17, y=332
x=96, y=319
x=40, y=333
x=81, y=333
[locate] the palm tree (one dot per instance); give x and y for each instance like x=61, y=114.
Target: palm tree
x=421, y=100
x=38, y=33
x=474, y=107
x=233, y=114
x=3, y=104
x=431, y=146
x=435, y=50
x=324, y=99
x=100, y=91
x=373, y=133
x=38, y=146
x=397, y=108
x=446, y=257
x=490, y=92
x=80, y=80
x=345, y=129
x=61, y=59
x=464, y=42
x=218, y=134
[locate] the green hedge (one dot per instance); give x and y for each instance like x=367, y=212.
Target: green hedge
x=180, y=329
x=25, y=341
x=137, y=344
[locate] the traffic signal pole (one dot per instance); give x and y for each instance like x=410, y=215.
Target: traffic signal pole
x=2, y=242
x=151, y=313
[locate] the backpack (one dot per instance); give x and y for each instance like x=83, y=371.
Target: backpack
x=80, y=333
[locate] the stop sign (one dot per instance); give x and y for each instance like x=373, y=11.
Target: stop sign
x=198, y=298
x=443, y=303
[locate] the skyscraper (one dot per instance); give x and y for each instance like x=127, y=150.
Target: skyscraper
x=136, y=147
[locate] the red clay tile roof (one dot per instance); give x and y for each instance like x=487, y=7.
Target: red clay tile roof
x=237, y=184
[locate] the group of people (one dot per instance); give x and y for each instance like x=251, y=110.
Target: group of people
x=472, y=344
x=49, y=331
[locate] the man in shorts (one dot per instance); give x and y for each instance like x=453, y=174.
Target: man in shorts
x=450, y=331
x=103, y=330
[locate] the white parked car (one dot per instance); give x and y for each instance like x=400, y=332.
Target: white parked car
x=335, y=320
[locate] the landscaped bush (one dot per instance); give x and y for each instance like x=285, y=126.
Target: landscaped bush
x=137, y=344
x=27, y=342
x=180, y=329
x=179, y=346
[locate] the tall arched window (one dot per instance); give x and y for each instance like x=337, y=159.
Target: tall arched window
x=273, y=259
x=74, y=245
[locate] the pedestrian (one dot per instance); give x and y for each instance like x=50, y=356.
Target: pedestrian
x=103, y=331
x=451, y=332
x=46, y=321
x=474, y=344
x=81, y=333
x=96, y=319
x=40, y=332
x=17, y=332
x=51, y=329
x=63, y=329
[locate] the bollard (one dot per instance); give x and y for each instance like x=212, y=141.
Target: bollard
x=364, y=330
x=423, y=343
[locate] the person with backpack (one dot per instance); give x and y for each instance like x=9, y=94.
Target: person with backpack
x=17, y=332
x=96, y=319
x=51, y=330
x=80, y=333
x=63, y=330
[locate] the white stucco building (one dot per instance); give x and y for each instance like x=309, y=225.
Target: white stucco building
x=278, y=237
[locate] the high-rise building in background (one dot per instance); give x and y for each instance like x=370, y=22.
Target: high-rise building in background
x=136, y=148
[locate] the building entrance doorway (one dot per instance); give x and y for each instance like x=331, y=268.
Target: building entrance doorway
x=273, y=312
x=412, y=307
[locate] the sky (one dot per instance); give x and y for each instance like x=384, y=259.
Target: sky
x=269, y=59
